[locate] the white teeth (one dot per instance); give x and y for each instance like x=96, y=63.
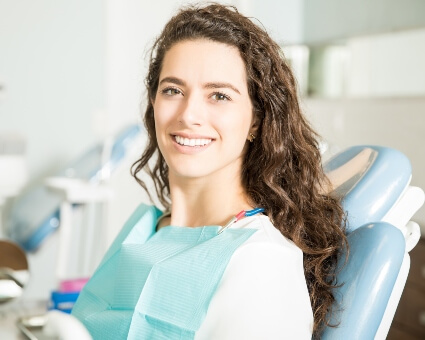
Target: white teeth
x=192, y=142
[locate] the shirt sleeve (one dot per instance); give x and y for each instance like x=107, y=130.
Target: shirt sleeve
x=262, y=295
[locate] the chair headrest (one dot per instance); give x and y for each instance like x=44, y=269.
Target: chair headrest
x=370, y=179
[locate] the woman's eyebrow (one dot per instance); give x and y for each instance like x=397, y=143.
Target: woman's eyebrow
x=173, y=80
x=220, y=85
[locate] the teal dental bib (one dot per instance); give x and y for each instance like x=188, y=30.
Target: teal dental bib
x=156, y=285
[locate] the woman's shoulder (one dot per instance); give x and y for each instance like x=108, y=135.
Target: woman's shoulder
x=267, y=235
x=268, y=250
x=264, y=274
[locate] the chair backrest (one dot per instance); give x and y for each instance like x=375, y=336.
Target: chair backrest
x=374, y=184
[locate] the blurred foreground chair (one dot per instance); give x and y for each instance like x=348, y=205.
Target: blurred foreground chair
x=375, y=185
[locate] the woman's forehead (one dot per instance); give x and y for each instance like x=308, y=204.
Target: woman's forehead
x=204, y=61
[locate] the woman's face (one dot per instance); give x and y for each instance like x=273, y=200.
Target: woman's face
x=203, y=113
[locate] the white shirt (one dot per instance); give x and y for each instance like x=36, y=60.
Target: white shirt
x=263, y=292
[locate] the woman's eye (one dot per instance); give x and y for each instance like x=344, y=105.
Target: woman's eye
x=220, y=96
x=171, y=91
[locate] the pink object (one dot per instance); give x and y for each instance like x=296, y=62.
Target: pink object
x=240, y=215
x=75, y=285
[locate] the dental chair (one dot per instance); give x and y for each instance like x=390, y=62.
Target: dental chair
x=374, y=184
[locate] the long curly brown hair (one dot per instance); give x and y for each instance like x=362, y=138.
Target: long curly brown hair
x=282, y=169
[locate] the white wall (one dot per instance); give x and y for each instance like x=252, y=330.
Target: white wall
x=52, y=69
x=390, y=64
x=326, y=20
x=282, y=19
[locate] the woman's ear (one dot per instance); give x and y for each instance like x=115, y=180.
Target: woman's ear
x=254, y=125
x=253, y=129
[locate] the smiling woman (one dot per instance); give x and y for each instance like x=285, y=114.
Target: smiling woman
x=248, y=244
x=196, y=103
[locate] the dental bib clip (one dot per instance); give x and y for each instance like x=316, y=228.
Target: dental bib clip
x=239, y=216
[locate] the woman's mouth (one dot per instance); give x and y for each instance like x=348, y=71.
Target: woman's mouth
x=193, y=142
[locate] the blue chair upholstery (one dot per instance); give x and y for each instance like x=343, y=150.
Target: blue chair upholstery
x=376, y=254
x=373, y=183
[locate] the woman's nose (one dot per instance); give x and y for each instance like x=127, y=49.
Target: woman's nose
x=192, y=111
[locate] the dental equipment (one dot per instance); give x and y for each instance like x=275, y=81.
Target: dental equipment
x=88, y=237
x=36, y=214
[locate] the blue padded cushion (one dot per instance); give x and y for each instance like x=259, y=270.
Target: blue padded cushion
x=371, y=191
x=376, y=255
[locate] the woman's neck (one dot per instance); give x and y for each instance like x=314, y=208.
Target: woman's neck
x=206, y=201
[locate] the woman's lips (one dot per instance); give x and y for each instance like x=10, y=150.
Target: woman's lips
x=191, y=145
